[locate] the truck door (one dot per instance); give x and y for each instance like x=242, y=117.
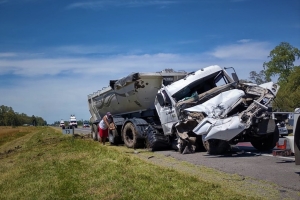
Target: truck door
x=166, y=111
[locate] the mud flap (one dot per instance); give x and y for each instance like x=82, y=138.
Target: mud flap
x=266, y=127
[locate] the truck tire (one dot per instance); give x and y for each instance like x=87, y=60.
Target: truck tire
x=129, y=135
x=266, y=143
x=95, y=132
x=216, y=147
x=114, y=137
x=199, y=144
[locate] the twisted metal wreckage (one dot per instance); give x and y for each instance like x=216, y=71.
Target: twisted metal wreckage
x=206, y=108
x=231, y=113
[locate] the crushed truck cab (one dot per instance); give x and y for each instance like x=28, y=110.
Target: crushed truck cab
x=223, y=111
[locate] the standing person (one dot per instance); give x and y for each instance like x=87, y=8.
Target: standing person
x=104, y=126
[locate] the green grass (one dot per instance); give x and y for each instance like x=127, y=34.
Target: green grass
x=49, y=165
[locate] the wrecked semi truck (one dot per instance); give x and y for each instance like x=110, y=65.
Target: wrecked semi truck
x=131, y=101
x=206, y=108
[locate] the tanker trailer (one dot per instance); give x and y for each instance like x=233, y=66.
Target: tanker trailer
x=131, y=102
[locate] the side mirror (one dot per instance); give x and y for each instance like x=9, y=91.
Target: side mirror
x=235, y=77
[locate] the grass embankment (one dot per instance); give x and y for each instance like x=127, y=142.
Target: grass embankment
x=41, y=163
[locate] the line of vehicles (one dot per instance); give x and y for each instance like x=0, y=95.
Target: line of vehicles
x=206, y=109
x=73, y=123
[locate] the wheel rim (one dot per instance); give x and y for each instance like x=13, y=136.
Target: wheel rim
x=129, y=136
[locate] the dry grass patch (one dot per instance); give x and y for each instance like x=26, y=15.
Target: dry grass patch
x=8, y=133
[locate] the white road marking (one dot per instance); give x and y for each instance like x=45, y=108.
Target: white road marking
x=282, y=157
x=270, y=155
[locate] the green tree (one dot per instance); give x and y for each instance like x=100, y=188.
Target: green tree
x=282, y=61
x=9, y=117
x=288, y=97
x=33, y=120
x=259, y=78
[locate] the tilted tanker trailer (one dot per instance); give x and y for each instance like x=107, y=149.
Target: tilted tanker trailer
x=206, y=108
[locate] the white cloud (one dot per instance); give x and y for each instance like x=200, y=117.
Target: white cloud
x=82, y=49
x=243, y=50
x=244, y=41
x=7, y=54
x=50, y=98
x=54, y=88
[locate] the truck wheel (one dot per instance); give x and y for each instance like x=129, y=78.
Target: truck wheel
x=199, y=144
x=216, y=147
x=114, y=137
x=129, y=135
x=267, y=143
x=95, y=132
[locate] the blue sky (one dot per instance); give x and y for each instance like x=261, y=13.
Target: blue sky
x=54, y=53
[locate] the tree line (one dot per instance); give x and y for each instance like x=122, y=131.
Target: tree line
x=8, y=117
x=281, y=66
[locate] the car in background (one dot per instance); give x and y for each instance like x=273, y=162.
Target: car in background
x=282, y=119
x=86, y=125
x=62, y=124
x=283, y=131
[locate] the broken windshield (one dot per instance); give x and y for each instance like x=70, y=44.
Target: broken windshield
x=201, y=85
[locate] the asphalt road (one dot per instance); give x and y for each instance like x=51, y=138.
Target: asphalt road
x=246, y=161
x=83, y=130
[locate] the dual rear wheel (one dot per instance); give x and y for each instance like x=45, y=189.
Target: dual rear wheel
x=94, y=132
x=130, y=136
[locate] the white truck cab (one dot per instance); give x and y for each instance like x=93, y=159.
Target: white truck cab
x=73, y=121
x=220, y=109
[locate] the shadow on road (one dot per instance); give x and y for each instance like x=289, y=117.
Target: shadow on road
x=241, y=151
